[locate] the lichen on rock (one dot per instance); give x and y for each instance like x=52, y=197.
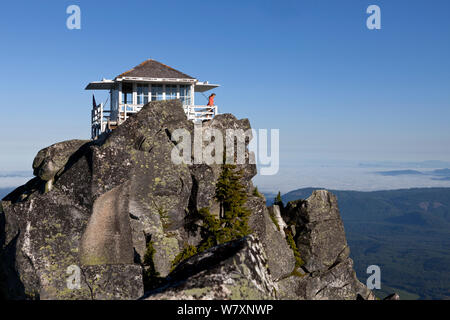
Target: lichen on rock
x=96, y=205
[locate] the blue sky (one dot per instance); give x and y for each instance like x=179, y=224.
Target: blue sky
x=336, y=90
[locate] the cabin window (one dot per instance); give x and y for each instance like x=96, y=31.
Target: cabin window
x=185, y=94
x=127, y=93
x=171, y=91
x=142, y=94
x=157, y=92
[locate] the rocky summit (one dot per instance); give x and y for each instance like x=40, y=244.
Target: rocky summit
x=116, y=218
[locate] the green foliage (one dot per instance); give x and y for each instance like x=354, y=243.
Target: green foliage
x=188, y=251
x=297, y=273
x=232, y=196
x=278, y=201
x=211, y=230
x=164, y=217
x=151, y=277
x=215, y=231
x=149, y=254
x=290, y=240
x=382, y=226
x=274, y=220
x=232, y=222
x=256, y=193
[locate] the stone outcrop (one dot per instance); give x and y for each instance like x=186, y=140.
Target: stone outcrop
x=275, y=213
x=51, y=160
x=318, y=230
x=97, y=206
x=393, y=296
x=107, y=238
x=281, y=260
x=319, y=235
x=235, y=270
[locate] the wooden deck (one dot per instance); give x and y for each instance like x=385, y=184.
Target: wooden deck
x=104, y=120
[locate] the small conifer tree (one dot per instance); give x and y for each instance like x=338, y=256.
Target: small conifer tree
x=232, y=223
x=211, y=230
x=278, y=201
x=188, y=251
x=232, y=196
x=256, y=192
x=151, y=277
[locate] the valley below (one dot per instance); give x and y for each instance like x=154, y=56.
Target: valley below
x=405, y=232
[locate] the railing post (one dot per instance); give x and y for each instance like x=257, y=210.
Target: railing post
x=101, y=117
x=92, y=123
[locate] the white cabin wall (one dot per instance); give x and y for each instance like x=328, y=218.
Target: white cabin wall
x=134, y=93
x=150, y=92
x=120, y=93
x=192, y=95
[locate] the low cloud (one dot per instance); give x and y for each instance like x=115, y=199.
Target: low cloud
x=349, y=178
x=13, y=179
x=15, y=174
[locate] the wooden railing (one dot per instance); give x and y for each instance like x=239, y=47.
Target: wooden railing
x=102, y=121
x=201, y=113
x=195, y=113
x=126, y=109
x=99, y=120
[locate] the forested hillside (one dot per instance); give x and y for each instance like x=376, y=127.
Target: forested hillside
x=405, y=232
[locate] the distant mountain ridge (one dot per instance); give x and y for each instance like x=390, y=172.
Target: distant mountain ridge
x=433, y=203
x=399, y=172
x=430, y=164
x=406, y=232
x=442, y=172
x=438, y=174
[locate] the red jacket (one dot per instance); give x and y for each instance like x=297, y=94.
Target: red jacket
x=211, y=101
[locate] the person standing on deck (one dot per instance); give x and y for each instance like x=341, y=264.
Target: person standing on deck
x=211, y=102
